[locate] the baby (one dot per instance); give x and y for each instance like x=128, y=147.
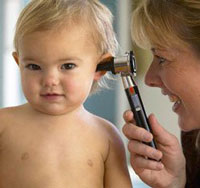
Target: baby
x=52, y=141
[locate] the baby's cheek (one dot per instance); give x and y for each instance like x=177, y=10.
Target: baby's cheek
x=70, y=86
x=79, y=88
x=27, y=84
x=31, y=86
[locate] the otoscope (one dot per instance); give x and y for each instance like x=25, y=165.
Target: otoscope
x=126, y=66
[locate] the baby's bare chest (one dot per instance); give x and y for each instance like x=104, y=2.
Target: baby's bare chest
x=51, y=161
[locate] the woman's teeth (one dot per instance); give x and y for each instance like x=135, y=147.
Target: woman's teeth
x=176, y=105
x=173, y=98
x=176, y=101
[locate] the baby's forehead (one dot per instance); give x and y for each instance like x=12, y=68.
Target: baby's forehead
x=83, y=28
x=59, y=40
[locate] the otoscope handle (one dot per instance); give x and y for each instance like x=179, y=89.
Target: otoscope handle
x=139, y=112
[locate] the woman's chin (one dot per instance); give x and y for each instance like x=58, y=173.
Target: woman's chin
x=187, y=125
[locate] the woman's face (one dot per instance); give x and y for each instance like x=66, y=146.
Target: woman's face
x=177, y=72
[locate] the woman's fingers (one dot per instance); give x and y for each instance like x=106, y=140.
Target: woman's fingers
x=140, y=163
x=142, y=149
x=132, y=131
x=160, y=134
x=128, y=116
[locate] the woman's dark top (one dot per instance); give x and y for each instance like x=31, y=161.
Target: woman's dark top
x=192, y=156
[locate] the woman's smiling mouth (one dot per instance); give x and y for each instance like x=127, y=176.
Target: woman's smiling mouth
x=176, y=100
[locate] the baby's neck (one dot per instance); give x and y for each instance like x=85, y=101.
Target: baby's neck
x=71, y=115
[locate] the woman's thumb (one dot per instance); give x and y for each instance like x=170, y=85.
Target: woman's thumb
x=160, y=134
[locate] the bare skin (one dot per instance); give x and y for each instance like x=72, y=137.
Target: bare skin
x=38, y=150
x=158, y=172
x=52, y=141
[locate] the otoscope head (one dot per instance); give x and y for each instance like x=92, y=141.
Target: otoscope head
x=121, y=64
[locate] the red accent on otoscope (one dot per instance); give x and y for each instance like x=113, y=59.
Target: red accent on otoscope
x=131, y=90
x=126, y=66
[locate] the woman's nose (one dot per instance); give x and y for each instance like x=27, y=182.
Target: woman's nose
x=50, y=79
x=152, y=77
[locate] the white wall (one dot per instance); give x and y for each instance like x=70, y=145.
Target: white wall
x=11, y=92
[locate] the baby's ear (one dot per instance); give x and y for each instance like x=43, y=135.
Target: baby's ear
x=99, y=74
x=16, y=57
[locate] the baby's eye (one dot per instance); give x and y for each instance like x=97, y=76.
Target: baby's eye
x=33, y=67
x=68, y=66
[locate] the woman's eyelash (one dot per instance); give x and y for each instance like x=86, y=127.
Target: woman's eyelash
x=161, y=60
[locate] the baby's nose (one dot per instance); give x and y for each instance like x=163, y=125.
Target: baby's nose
x=50, y=79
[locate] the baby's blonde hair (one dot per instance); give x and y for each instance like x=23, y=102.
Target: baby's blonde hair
x=41, y=15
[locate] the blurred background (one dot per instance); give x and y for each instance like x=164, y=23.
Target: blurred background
x=109, y=104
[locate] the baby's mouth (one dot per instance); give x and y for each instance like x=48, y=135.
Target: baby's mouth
x=52, y=96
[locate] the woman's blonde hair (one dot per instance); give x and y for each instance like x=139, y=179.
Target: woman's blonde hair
x=166, y=23
x=41, y=15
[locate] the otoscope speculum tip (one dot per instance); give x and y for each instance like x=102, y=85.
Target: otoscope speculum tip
x=120, y=64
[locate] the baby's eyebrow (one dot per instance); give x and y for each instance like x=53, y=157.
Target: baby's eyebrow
x=61, y=60
x=26, y=58
x=69, y=59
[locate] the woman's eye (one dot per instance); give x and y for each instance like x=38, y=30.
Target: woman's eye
x=33, y=67
x=68, y=66
x=161, y=60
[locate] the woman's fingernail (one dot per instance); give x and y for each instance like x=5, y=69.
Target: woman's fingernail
x=160, y=166
x=148, y=137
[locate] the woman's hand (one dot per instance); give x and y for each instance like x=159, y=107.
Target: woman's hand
x=164, y=173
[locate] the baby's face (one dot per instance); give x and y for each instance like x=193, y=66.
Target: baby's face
x=57, y=69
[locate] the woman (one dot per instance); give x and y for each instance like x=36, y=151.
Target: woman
x=171, y=30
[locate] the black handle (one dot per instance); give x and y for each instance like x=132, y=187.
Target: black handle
x=139, y=112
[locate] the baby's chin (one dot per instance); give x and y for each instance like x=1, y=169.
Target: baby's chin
x=51, y=112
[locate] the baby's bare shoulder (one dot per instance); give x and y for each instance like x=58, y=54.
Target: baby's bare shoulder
x=105, y=126
x=8, y=116
x=8, y=112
